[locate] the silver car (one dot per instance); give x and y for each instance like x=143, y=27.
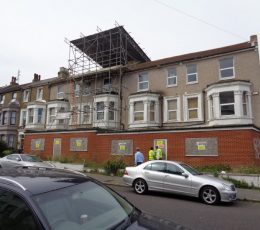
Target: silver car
x=177, y=177
x=13, y=160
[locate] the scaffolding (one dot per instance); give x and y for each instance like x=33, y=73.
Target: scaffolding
x=103, y=54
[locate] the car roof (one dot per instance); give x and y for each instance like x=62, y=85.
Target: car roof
x=38, y=180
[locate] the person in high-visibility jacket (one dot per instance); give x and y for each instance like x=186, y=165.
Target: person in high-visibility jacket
x=151, y=154
x=159, y=153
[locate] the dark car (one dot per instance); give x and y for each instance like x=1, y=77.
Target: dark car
x=49, y=198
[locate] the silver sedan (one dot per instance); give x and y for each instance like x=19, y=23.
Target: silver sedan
x=13, y=160
x=180, y=178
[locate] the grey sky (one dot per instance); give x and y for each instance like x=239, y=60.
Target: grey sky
x=33, y=31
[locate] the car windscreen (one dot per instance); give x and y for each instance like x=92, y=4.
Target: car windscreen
x=191, y=170
x=83, y=206
x=30, y=158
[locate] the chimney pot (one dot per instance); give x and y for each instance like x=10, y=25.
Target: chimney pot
x=253, y=40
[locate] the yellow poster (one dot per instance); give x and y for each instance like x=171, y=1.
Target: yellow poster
x=122, y=147
x=160, y=144
x=78, y=143
x=201, y=147
x=57, y=142
x=37, y=145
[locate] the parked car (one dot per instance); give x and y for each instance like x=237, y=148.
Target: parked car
x=24, y=160
x=177, y=177
x=34, y=198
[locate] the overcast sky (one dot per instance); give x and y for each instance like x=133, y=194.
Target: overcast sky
x=33, y=31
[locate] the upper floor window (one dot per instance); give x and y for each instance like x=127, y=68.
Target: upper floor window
x=138, y=111
x=61, y=111
x=2, y=99
x=143, y=83
x=172, y=77
x=227, y=103
x=192, y=107
x=172, y=109
x=30, y=116
x=100, y=110
x=52, y=115
x=60, y=92
x=226, y=68
x=13, y=118
x=111, y=111
x=86, y=114
x=86, y=88
x=192, y=75
x=245, y=103
x=23, y=118
x=40, y=115
x=39, y=95
x=107, y=83
x=14, y=96
x=152, y=110
x=77, y=89
x=26, y=95
x=5, y=118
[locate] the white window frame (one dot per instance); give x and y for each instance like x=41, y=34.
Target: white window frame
x=13, y=118
x=171, y=77
x=138, y=111
x=77, y=89
x=186, y=109
x=39, y=95
x=227, y=104
x=100, y=111
x=86, y=88
x=233, y=68
x=26, y=94
x=166, y=110
x=60, y=92
x=3, y=99
x=30, y=115
x=190, y=74
x=143, y=82
x=23, y=115
x=51, y=116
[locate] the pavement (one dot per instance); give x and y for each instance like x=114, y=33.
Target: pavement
x=242, y=194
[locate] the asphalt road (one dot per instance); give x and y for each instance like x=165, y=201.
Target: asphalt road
x=195, y=215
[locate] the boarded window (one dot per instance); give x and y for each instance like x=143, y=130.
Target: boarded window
x=78, y=144
x=122, y=147
x=37, y=144
x=201, y=147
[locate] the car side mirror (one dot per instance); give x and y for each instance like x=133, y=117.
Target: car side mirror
x=17, y=159
x=185, y=175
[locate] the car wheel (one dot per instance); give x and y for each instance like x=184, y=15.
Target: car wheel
x=140, y=186
x=209, y=195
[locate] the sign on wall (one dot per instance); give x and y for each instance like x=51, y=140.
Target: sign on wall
x=162, y=144
x=78, y=144
x=122, y=147
x=37, y=144
x=201, y=147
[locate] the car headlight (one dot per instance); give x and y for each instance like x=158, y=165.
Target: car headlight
x=227, y=187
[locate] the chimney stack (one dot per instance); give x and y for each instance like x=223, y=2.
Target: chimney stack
x=253, y=40
x=13, y=81
x=36, y=77
x=63, y=73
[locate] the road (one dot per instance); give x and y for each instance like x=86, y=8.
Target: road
x=195, y=215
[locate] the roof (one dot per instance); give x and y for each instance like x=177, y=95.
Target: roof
x=40, y=180
x=193, y=56
x=111, y=47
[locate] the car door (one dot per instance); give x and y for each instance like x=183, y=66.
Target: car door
x=175, y=181
x=154, y=174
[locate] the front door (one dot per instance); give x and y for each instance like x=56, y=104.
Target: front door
x=56, y=148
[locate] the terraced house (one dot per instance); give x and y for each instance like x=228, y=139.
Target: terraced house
x=200, y=108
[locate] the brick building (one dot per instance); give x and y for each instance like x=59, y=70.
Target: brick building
x=202, y=108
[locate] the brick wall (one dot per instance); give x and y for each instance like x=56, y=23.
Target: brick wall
x=235, y=147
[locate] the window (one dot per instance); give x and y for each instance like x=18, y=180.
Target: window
x=13, y=118
x=172, y=77
x=245, y=103
x=192, y=74
x=138, y=111
x=14, y=96
x=173, y=169
x=107, y=84
x=15, y=214
x=143, y=83
x=60, y=92
x=226, y=68
x=2, y=99
x=26, y=95
x=5, y=118
x=86, y=114
x=39, y=115
x=192, y=108
x=227, y=103
x=111, y=111
x=11, y=140
x=30, y=116
x=52, y=115
x=1, y=118
x=100, y=110
x=152, y=110
x=86, y=87
x=158, y=167
x=61, y=110
x=172, y=110
x=77, y=90
x=23, y=118
x=39, y=95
